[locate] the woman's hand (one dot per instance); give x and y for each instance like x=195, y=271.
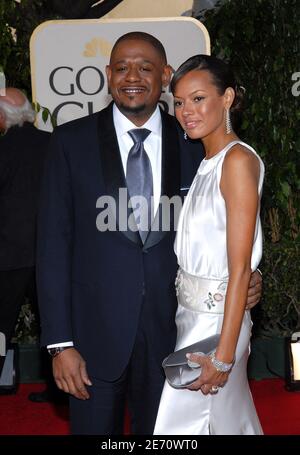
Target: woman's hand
x=210, y=378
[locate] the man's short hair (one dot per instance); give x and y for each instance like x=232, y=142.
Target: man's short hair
x=142, y=36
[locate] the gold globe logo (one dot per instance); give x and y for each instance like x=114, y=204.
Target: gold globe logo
x=97, y=46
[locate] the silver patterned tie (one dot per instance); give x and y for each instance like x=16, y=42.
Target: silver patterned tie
x=139, y=179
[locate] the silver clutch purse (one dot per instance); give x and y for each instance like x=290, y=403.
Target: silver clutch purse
x=179, y=371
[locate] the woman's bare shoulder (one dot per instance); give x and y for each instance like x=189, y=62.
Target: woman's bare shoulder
x=241, y=156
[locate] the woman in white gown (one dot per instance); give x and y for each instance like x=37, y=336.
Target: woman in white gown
x=218, y=244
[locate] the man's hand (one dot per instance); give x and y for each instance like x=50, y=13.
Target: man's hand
x=255, y=290
x=70, y=373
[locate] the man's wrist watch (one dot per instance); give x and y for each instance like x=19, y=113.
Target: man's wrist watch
x=57, y=350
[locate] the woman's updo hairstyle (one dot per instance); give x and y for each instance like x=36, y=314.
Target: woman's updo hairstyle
x=222, y=77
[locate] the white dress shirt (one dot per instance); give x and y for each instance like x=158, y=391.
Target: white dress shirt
x=152, y=145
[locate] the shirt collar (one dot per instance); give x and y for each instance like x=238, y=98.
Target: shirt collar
x=123, y=124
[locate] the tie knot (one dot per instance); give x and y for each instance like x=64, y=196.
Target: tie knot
x=139, y=134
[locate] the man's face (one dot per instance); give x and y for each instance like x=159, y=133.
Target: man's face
x=136, y=75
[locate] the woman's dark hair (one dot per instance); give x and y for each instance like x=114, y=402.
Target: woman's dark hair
x=222, y=77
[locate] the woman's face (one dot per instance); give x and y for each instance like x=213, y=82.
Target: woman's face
x=199, y=107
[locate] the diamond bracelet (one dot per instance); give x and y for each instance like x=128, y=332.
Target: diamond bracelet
x=223, y=367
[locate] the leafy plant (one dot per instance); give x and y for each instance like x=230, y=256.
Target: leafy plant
x=261, y=41
x=279, y=313
x=45, y=113
x=22, y=18
x=27, y=327
x=7, y=42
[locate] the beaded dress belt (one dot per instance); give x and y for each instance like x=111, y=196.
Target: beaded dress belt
x=200, y=294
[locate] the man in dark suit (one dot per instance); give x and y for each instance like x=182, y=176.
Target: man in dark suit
x=22, y=152
x=107, y=297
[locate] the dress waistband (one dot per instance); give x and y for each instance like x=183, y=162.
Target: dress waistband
x=200, y=294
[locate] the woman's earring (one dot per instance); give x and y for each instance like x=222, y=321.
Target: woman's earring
x=185, y=136
x=228, y=125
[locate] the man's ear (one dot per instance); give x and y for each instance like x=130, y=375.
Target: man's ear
x=167, y=75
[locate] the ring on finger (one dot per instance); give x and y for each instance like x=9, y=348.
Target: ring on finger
x=214, y=389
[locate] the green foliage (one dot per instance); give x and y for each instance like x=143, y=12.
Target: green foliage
x=261, y=41
x=27, y=327
x=279, y=313
x=23, y=18
x=6, y=38
x=45, y=113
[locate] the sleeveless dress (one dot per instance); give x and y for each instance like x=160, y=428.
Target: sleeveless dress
x=201, y=284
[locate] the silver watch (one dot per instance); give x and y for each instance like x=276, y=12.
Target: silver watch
x=57, y=350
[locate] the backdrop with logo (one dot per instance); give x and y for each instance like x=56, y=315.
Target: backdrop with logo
x=68, y=60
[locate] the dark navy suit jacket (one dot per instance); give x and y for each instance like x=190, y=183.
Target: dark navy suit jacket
x=96, y=287
x=22, y=155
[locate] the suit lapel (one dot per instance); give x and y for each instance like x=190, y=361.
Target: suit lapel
x=114, y=178
x=113, y=173
x=170, y=176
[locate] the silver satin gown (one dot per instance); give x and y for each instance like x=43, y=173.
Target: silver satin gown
x=201, y=284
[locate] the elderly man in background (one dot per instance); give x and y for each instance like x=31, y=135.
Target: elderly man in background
x=22, y=151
